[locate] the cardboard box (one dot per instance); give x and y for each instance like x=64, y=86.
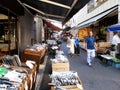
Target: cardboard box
x=60, y=67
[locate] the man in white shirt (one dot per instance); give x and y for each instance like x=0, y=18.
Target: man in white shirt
x=116, y=40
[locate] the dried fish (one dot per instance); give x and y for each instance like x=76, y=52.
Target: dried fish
x=64, y=78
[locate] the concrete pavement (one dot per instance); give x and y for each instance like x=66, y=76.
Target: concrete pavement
x=98, y=77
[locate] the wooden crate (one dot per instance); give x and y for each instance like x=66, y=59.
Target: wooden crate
x=70, y=87
x=25, y=57
x=60, y=67
x=30, y=80
x=43, y=52
x=27, y=51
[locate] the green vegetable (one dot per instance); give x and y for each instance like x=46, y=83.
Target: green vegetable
x=116, y=60
x=3, y=71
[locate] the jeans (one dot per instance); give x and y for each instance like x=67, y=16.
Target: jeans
x=77, y=49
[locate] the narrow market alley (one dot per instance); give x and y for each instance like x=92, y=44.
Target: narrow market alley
x=98, y=77
x=43, y=44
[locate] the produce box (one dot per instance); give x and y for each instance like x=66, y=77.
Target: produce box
x=60, y=67
x=65, y=80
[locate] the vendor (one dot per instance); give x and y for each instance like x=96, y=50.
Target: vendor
x=116, y=40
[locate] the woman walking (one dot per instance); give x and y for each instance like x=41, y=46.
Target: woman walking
x=72, y=43
x=68, y=44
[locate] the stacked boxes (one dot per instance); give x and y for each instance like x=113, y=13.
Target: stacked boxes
x=62, y=78
x=60, y=62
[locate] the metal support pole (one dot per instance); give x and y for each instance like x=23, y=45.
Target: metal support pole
x=9, y=27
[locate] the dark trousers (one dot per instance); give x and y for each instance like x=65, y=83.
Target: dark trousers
x=77, y=49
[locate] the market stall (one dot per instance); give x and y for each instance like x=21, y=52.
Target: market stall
x=35, y=53
x=116, y=38
x=17, y=75
x=112, y=58
x=62, y=78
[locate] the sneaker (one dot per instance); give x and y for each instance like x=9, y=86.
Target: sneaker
x=89, y=64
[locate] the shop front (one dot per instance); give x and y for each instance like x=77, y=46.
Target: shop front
x=8, y=34
x=112, y=58
x=98, y=24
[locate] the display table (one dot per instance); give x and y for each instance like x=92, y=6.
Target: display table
x=106, y=58
x=30, y=80
x=110, y=60
x=34, y=56
x=25, y=81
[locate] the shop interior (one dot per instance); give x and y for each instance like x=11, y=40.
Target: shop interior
x=7, y=34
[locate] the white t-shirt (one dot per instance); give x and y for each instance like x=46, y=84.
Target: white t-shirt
x=115, y=40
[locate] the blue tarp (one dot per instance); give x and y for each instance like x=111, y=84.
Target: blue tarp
x=114, y=28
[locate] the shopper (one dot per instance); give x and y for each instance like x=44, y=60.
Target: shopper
x=90, y=47
x=72, y=43
x=68, y=44
x=77, y=48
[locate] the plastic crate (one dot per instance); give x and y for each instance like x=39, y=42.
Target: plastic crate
x=116, y=65
x=109, y=62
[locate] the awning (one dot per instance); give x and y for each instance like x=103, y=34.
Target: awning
x=96, y=18
x=114, y=28
x=61, y=10
x=53, y=27
x=11, y=6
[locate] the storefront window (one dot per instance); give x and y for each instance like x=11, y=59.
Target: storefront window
x=94, y=4
x=7, y=35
